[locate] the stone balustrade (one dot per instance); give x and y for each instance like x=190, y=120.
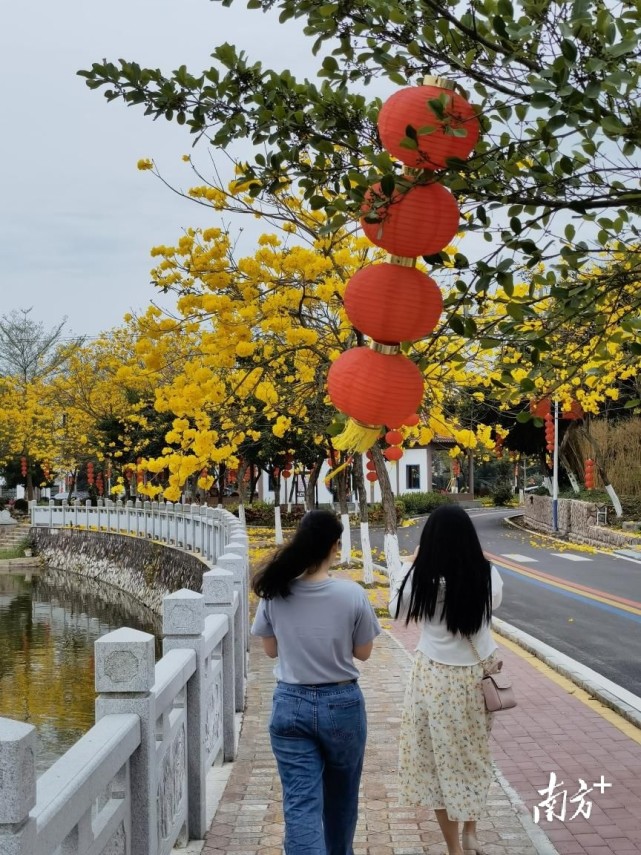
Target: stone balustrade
x=194, y=528
x=135, y=784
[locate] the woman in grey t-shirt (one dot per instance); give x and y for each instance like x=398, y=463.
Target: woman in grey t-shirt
x=315, y=626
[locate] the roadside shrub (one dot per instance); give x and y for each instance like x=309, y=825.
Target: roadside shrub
x=423, y=503
x=502, y=494
x=21, y=506
x=375, y=514
x=262, y=514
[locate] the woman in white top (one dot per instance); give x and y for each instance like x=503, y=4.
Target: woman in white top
x=449, y=589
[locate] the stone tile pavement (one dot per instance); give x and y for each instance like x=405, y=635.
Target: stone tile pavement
x=248, y=820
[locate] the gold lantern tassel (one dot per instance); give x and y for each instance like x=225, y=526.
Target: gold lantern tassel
x=357, y=436
x=338, y=469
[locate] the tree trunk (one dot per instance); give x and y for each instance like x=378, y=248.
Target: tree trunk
x=392, y=553
x=366, y=549
x=242, y=486
x=346, y=539
x=254, y=475
x=310, y=489
x=276, y=482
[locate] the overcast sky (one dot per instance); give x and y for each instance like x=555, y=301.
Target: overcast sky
x=77, y=219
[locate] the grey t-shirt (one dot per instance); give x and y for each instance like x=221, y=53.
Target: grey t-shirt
x=316, y=628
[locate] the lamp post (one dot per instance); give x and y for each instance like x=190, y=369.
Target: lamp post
x=555, y=470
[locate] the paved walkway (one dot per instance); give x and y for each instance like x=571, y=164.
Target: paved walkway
x=249, y=817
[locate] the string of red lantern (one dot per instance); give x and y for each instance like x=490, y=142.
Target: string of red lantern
x=549, y=432
x=423, y=127
x=589, y=474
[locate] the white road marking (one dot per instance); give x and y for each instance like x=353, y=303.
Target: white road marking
x=571, y=556
x=523, y=559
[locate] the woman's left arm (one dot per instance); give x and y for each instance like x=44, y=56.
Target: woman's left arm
x=270, y=646
x=394, y=589
x=497, y=588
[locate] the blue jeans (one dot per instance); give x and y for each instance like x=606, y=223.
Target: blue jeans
x=318, y=738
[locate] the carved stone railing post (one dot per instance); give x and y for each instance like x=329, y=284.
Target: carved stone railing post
x=17, y=787
x=183, y=621
x=222, y=599
x=236, y=562
x=239, y=543
x=125, y=675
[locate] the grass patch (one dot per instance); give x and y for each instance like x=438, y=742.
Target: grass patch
x=16, y=551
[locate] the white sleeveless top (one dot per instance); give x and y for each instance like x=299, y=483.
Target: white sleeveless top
x=436, y=641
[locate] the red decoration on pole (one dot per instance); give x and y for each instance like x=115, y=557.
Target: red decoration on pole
x=371, y=477
x=549, y=432
x=23, y=466
x=394, y=437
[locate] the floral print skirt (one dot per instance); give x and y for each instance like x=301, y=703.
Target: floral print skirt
x=444, y=748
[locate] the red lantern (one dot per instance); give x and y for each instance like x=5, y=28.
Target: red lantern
x=419, y=222
x=393, y=452
x=371, y=477
x=392, y=303
x=371, y=466
x=287, y=473
x=23, y=466
x=394, y=437
x=540, y=409
x=372, y=387
x=368, y=454
x=276, y=472
x=412, y=421
x=410, y=106
x=90, y=478
x=573, y=412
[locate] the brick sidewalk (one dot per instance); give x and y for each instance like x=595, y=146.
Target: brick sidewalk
x=553, y=730
x=249, y=817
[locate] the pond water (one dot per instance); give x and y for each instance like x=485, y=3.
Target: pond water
x=48, y=624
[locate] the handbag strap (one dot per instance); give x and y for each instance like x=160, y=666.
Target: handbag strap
x=495, y=668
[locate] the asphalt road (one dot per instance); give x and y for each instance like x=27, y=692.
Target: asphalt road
x=584, y=604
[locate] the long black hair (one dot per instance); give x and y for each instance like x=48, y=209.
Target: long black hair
x=317, y=533
x=450, y=564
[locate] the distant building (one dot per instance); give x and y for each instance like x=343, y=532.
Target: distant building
x=421, y=469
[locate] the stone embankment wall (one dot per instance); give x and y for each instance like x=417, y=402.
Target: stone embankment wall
x=143, y=569
x=577, y=520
